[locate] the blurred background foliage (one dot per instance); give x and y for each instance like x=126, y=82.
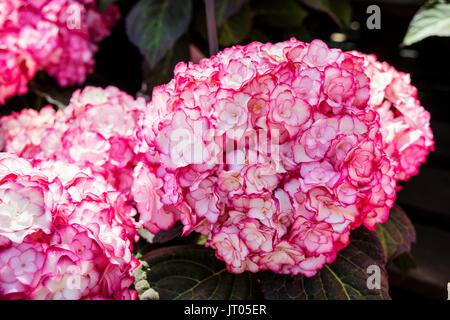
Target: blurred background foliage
x=238, y=22
x=154, y=35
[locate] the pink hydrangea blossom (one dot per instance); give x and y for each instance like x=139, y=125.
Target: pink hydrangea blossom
x=24, y=130
x=88, y=150
x=97, y=129
x=28, y=199
x=405, y=124
x=274, y=153
x=17, y=67
x=65, y=233
x=56, y=36
x=96, y=135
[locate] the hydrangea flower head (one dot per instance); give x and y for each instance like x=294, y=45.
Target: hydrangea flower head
x=271, y=150
x=64, y=233
x=94, y=134
x=57, y=36
x=96, y=130
x=405, y=124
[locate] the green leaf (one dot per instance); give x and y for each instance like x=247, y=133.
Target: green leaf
x=154, y=26
x=226, y=8
x=258, y=35
x=225, y=11
x=48, y=89
x=342, y=9
x=429, y=21
x=397, y=233
x=282, y=13
x=344, y=279
x=302, y=34
x=338, y=10
x=404, y=263
x=236, y=28
x=163, y=71
x=162, y=236
x=193, y=272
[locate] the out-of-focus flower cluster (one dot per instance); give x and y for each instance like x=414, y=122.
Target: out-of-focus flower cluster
x=405, y=124
x=269, y=149
x=57, y=36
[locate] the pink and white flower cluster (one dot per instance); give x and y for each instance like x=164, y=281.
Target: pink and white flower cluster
x=64, y=233
x=271, y=150
x=97, y=132
x=405, y=124
x=83, y=156
x=57, y=36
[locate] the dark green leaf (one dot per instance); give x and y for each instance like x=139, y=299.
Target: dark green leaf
x=336, y=9
x=404, y=263
x=103, y=4
x=193, y=272
x=429, y=21
x=48, y=89
x=162, y=236
x=154, y=26
x=226, y=8
x=258, y=35
x=236, y=28
x=397, y=233
x=282, y=13
x=344, y=279
x=141, y=247
x=319, y=5
x=302, y=34
x=342, y=9
x=163, y=71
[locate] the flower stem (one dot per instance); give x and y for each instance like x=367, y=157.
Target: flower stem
x=211, y=26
